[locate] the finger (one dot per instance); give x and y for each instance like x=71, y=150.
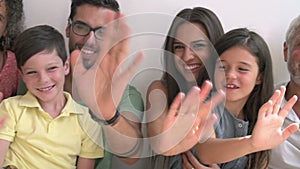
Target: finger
x=186, y=162
x=288, y=131
x=194, y=161
x=120, y=46
x=210, y=104
x=192, y=158
x=115, y=46
x=190, y=104
x=206, y=128
x=217, y=98
x=74, y=59
x=265, y=109
x=278, y=101
x=120, y=79
x=288, y=106
x=205, y=90
x=134, y=65
x=175, y=106
x=270, y=104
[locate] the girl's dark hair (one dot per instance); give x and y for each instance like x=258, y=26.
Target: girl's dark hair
x=261, y=93
x=109, y=4
x=15, y=23
x=214, y=29
x=38, y=39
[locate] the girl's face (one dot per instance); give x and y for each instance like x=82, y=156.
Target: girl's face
x=190, y=47
x=241, y=73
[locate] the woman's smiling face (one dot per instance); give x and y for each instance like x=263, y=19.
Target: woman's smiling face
x=190, y=47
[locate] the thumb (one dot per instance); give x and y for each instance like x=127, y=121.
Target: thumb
x=288, y=131
x=73, y=58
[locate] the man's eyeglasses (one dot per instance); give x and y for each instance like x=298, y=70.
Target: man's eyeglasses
x=83, y=29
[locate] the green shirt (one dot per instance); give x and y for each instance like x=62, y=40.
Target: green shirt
x=131, y=102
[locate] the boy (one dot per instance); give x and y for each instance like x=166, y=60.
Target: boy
x=46, y=127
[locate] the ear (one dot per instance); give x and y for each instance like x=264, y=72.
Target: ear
x=68, y=29
x=67, y=66
x=285, y=51
x=259, y=79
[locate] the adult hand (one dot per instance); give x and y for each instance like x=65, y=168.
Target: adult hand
x=189, y=161
x=267, y=132
x=190, y=118
x=102, y=85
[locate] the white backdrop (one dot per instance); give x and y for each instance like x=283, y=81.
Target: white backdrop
x=269, y=18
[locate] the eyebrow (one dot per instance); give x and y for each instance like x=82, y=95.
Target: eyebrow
x=193, y=42
x=240, y=62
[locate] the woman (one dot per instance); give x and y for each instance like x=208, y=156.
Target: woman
x=11, y=24
x=188, y=45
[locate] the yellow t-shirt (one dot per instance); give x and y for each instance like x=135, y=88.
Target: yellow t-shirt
x=39, y=141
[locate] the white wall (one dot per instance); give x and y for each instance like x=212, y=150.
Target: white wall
x=270, y=18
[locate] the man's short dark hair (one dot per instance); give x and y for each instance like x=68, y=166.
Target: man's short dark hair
x=109, y=4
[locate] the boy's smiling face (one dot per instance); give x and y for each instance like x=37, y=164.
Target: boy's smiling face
x=44, y=76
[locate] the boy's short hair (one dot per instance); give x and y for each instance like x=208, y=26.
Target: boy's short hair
x=37, y=39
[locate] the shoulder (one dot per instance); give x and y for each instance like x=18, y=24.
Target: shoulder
x=74, y=106
x=14, y=100
x=131, y=90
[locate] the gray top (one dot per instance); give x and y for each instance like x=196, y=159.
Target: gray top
x=231, y=127
x=287, y=154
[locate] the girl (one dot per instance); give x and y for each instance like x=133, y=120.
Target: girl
x=247, y=126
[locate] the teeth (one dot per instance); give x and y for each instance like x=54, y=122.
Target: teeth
x=230, y=86
x=86, y=51
x=191, y=67
x=45, y=89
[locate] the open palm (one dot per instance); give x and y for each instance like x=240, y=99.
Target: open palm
x=267, y=132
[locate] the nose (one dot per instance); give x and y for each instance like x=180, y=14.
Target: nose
x=188, y=54
x=43, y=77
x=90, y=37
x=230, y=73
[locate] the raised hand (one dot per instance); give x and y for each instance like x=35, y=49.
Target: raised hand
x=189, y=161
x=267, y=132
x=102, y=85
x=188, y=121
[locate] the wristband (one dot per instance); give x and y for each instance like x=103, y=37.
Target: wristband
x=106, y=122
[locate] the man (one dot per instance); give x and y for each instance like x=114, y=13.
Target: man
x=89, y=30
x=287, y=154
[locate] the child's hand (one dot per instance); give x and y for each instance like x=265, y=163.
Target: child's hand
x=267, y=132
